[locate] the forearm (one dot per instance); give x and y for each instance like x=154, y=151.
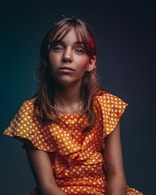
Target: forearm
x=116, y=185
x=43, y=172
x=116, y=182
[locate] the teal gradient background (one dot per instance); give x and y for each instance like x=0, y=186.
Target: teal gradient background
x=126, y=44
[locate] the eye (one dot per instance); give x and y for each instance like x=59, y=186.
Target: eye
x=58, y=48
x=79, y=50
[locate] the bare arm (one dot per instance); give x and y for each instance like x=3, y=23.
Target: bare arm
x=42, y=168
x=116, y=182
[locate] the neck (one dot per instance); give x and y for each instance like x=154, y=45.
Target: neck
x=68, y=94
x=67, y=99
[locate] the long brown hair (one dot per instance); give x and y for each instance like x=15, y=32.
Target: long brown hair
x=44, y=103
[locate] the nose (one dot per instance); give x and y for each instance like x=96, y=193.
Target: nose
x=67, y=56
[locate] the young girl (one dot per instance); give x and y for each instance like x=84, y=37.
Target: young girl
x=71, y=128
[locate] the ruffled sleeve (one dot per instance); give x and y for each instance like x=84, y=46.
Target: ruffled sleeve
x=112, y=108
x=26, y=126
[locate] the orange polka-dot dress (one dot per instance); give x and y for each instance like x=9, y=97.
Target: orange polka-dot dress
x=78, y=163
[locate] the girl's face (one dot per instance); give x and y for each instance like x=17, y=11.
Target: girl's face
x=68, y=60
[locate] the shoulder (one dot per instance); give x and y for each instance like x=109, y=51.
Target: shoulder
x=112, y=108
x=106, y=95
x=28, y=102
x=27, y=106
x=108, y=99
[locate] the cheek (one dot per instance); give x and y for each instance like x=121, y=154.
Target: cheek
x=51, y=63
x=82, y=69
x=84, y=64
x=51, y=58
x=82, y=61
x=54, y=61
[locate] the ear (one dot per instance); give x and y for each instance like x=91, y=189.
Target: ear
x=92, y=64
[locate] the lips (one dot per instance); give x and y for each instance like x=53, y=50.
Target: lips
x=66, y=69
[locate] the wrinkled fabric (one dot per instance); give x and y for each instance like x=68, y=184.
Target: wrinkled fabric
x=77, y=157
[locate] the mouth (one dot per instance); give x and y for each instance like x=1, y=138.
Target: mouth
x=66, y=69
